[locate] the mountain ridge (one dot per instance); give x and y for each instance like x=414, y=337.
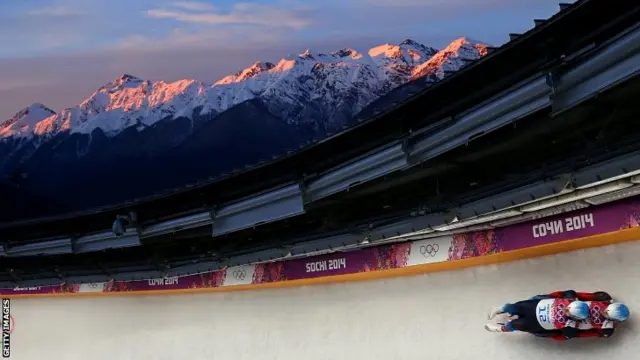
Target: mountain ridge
x=133, y=137
x=400, y=63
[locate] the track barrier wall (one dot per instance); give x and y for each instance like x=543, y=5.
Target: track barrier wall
x=596, y=226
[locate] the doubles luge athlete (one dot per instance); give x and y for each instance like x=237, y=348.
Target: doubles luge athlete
x=562, y=315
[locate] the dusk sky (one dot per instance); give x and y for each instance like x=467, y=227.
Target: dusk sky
x=58, y=52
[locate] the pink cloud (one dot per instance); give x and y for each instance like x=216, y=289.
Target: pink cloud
x=192, y=5
x=242, y=13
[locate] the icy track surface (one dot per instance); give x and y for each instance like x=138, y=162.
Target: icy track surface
x=433, y=316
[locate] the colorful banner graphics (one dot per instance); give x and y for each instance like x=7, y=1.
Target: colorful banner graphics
x=577, y=224
x=573, y=225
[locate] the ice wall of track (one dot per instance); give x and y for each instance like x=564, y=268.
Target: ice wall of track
x=432, y=316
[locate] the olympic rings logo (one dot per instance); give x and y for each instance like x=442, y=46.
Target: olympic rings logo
x=561, y=319
x=239, y=274
x=93, y=285
x=596, y=317
x=429, y=250
x=559, y=314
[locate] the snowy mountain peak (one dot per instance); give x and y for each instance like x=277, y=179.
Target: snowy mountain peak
x=398, y=61
x=347, y=53
x=466, y=44
x=23, y=122
x=412, y=44
x=124, y=78
x=456, y=55
x=255, y=69
x=338, y=55
x=263, y=66
x=121, y=82
x=35, y=108
x=307, y=54
x=407, y=52
x=409, y=42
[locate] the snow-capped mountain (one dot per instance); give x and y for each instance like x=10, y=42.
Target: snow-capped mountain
x=450, y=59
x=25, y=120
x=17, y=132
x=399, y=62
x=145, y=131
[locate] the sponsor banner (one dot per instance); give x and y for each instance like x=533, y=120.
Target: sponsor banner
x=586, y=222
x=92, y=287
x=338, y=263
x=30, y=290
x=577, y=224
x=204, y=280
x=430, y=250
x=239, y=275
x=164, y=283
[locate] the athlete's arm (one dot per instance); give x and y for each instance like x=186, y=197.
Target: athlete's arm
x=582, y=296
x=591, y=333
x=595, y=296
x=570, y=332
x=606, y=332
x=551, y=334
x=564, y=294
x=608, y=325
x=555, y=295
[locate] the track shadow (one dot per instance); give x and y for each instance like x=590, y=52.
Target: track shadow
x=591, y=346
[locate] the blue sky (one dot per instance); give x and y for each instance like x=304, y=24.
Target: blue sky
x=58, y=51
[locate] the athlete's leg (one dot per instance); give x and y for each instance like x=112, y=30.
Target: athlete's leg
x=519, y=308
x=526, y=318
x=514, y=325
x=495, y=327
x=520, y=324
x=495, y=312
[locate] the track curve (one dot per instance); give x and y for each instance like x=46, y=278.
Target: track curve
x=430, y=316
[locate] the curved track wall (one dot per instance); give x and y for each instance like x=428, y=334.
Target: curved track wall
x=436, y=316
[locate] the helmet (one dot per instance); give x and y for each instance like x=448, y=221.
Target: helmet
x=578, y=310
x=617, y=312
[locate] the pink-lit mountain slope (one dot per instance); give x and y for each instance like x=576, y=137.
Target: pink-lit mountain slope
x=341, y=83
